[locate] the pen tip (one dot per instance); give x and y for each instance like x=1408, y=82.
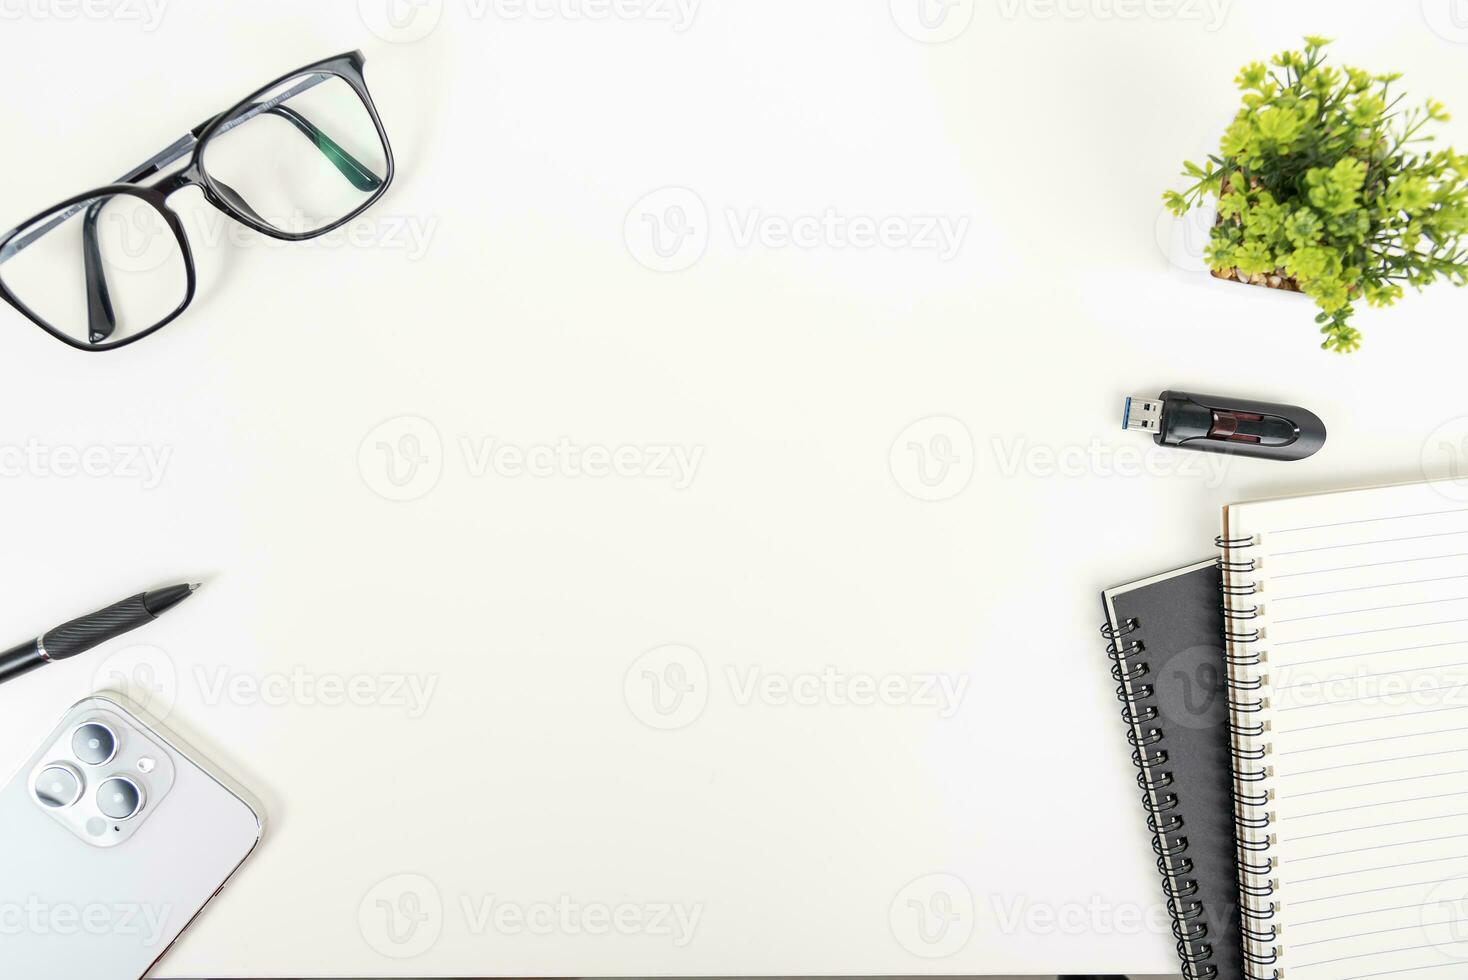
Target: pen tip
x=195, y=586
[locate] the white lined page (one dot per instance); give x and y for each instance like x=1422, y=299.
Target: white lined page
x=1363, y=616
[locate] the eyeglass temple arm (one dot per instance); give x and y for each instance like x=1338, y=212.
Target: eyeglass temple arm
x=350, y=167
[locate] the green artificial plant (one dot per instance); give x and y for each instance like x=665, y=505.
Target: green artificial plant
x=1323, y=186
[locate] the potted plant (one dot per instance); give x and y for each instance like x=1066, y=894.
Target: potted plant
x=1323, y=186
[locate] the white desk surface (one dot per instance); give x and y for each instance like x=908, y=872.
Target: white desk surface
x=790, y=823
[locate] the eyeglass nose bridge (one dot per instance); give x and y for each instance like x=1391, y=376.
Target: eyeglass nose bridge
x=173, y=183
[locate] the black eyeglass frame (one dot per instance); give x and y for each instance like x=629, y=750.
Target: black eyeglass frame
x=348, y=67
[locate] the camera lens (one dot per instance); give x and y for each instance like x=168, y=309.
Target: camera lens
x=119, y=798
x=94, y=744
x=58, y=786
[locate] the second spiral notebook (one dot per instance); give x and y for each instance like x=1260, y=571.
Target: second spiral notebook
x=1167, y=656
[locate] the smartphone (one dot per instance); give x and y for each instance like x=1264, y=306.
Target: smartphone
x=113, y=838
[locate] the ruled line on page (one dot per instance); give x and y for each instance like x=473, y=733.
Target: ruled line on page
x=1357, y=721
x=1367, y=806
x=1366, y=544
x=1378, y=847
x=1375, y=826
x=1370, y=564
x=1384, y=867
x=1378, y=932
x=1367, y=697
x=1362, y=677
x=1372, y=762
x=1367, y=653
x=1372, y=609
x=1352, y=915
x=1383, y=782
x=1384, y=629
x=1368, y=520
x=1365, y=588
x=1365, y=891
x=1405, y=969
x=1367, y=741
x=1362, y=956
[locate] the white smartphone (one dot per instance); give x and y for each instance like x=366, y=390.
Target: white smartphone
x=113, y=837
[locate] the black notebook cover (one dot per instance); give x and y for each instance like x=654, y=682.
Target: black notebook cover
x=1167, y=656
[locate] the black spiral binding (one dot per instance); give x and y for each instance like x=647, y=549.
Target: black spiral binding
x=1252, y=797
x=1188, y=925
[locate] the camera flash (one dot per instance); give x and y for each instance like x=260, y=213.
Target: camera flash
x=146, y=765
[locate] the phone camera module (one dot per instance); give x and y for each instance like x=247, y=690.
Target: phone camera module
x=119, y=798
x=58, y=786
x=94, y=744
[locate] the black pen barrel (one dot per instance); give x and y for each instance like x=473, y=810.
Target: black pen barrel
x=80, y=635
x=20, y=660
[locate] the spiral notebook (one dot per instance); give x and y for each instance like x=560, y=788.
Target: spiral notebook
x=1166, y=647
x=1347, y=626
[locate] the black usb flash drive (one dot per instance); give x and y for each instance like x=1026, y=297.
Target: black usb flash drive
x=1211, y=424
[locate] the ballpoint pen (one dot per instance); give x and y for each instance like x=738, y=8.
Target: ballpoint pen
x=81, y=635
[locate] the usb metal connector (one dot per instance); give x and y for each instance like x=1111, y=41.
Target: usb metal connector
x=1142, y=413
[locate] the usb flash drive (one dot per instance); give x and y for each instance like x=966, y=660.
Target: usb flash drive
x=1211, y=424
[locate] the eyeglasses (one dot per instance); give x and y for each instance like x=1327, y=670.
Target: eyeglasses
x=297, y=159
